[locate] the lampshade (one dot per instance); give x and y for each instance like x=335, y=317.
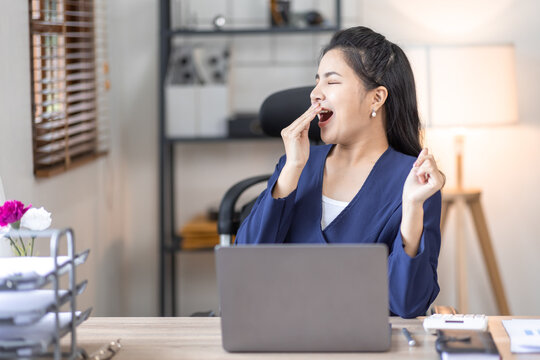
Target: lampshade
x=465, y=85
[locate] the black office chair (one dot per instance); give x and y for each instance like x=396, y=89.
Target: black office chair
x=277, y=112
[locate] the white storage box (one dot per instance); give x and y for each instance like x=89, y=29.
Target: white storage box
x=197, y=110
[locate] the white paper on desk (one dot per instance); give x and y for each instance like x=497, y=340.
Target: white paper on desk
x=43, y=330
x=524, y=335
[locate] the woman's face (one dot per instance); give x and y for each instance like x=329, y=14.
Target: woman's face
x=343, y=95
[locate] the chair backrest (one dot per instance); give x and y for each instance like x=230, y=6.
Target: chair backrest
x=277, y=111
x=283, y=107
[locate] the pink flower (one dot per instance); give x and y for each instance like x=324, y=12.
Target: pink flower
x=12, y=211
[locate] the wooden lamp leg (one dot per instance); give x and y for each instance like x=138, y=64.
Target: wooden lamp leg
x=472, y=199
x=460, y=252
x=489, y=256
x=446, y=204
x=461, y=261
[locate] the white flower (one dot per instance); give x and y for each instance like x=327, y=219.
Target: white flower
x=36, y=219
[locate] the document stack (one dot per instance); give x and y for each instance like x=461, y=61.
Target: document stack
x=524, y=335
x=32, y=300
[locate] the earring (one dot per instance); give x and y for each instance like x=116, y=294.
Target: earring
x=373, y=113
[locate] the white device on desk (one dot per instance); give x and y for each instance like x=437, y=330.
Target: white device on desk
x=456, y=322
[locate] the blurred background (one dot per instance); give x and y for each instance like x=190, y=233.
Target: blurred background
x=113, y=203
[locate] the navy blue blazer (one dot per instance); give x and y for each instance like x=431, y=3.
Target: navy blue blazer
x=373, y=216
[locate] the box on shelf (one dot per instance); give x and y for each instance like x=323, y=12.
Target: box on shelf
x=199, y=233
x=245, y=125
x=197, y=110
x=196, y=92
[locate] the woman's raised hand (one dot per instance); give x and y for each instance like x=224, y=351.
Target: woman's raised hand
x=296, y=141
x=424, y=179
x=295, y=138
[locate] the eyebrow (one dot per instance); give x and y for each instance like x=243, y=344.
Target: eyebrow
x=327, y=74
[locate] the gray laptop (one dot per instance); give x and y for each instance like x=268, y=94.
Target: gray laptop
x=310, y=298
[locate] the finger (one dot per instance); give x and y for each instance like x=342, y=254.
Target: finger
x=443, y=178
x=421, y=157
x=303, y=121
x=308, y=114
x=296, y=132
x=300, y=131
x=422, y=178
x=435, y=179
x=305, y=132
x=426, y=167
x=423, y=171
x=300, y=118
x=431, y=174
x=424, y=160
x=311, y=112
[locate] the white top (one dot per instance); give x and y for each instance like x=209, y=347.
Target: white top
x=330, y=210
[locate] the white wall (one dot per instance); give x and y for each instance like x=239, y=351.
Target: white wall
x=88, y=199
x=133, y=52
x=111, y=203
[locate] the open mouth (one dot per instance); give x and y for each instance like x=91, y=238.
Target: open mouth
x=324, y=116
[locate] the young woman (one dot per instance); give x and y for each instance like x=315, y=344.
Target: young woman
x=372, y=182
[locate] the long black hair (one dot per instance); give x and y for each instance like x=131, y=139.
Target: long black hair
x=379, y=62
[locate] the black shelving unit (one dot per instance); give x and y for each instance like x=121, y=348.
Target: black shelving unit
x=169, y=241
x=253, y=31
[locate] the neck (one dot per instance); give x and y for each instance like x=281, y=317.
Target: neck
x=368, y=147
x=357, y=153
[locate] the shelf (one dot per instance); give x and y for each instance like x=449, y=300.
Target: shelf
x=175, y=247
x=252, y=31
x=216, y=139
x=170, y=243
x=177, y=250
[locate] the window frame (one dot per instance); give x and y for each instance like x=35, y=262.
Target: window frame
x=68, y=85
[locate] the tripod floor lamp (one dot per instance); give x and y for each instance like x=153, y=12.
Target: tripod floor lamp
x=471, y=86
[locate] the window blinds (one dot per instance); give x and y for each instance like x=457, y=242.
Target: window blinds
x=69, y=83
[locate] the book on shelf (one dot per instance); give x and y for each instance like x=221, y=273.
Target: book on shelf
x=199, y=233
x=466, y=345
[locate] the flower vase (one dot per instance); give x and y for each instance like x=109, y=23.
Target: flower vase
x=5, y=248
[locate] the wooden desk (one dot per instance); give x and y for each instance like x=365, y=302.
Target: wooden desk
x=200, y=338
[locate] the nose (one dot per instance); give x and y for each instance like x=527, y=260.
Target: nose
x=316, y=95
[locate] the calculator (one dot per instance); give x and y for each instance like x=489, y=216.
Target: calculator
x=456, y=322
